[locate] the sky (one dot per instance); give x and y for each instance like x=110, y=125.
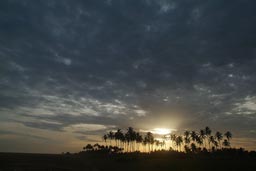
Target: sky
x=72, y=70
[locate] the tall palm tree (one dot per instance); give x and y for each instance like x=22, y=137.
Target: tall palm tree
x=163, y=145
x=193, y=147
x=202, y=135
x=157, y=143
x=131, y=135
x=219, y=137
x=105, y=137
x=138, y=140
x=187, y=137
x=165, y=138
x=186, y=148
x=122, y=140
x=144, y=143
x=228, y=135
x=199, y=140
x=179, y=142
x=150, y=140
x=208, y=133
x=213, y=142
x=173, y=139
x=111, y=136
x=127, y=141
x=193, y=135
x=118, y=135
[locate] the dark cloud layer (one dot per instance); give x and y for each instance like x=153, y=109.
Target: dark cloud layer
x=170, y=63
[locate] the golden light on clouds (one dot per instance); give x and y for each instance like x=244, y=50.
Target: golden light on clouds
x=161, y=131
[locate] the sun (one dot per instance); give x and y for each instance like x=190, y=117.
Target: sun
x=161, y=131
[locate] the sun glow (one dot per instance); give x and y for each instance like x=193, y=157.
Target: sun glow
x=161, y=131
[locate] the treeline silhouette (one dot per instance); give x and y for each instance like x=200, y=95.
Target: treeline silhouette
x=131, y=140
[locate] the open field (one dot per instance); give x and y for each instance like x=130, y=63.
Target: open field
x=135, y=161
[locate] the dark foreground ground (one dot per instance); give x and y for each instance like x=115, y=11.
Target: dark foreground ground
x=142, y=162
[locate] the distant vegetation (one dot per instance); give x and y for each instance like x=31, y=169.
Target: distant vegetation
x=203, y=140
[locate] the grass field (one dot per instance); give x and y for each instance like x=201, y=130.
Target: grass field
x=143, y=162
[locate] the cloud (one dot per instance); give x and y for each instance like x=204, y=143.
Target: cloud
x=246, y=107
x=17, y=67
x=85, y=127
x=4, y=132
x=166, y=6
x=87, y=139
x=65, y=61
x=180, y=64
x=141, y=112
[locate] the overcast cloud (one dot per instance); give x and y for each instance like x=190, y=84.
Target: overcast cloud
x=79, y=68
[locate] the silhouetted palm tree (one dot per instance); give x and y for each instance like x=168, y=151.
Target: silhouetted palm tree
x=216, y=144
x=118, y=136
x=202, y=135
x=144, y=143
x=96, y=146
x=165, y=138
x=228, y=135
x=193, y=147
x=187, y=137
x=127, y=141
x=131, y=141
x=157, y=143
x=212, y=141
x=179, y=142
x=88, y=147
x=226, y=143
x=149, y=138
x=208, y=133
x=163, y=145
x=111, y=136
x=199, y=140
x=131, y=135
x=193, y=135
x=122, y=140
x=105, y=137
x=139, y=140
x=173, y=139
x=219, y=137
x=186, y=148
